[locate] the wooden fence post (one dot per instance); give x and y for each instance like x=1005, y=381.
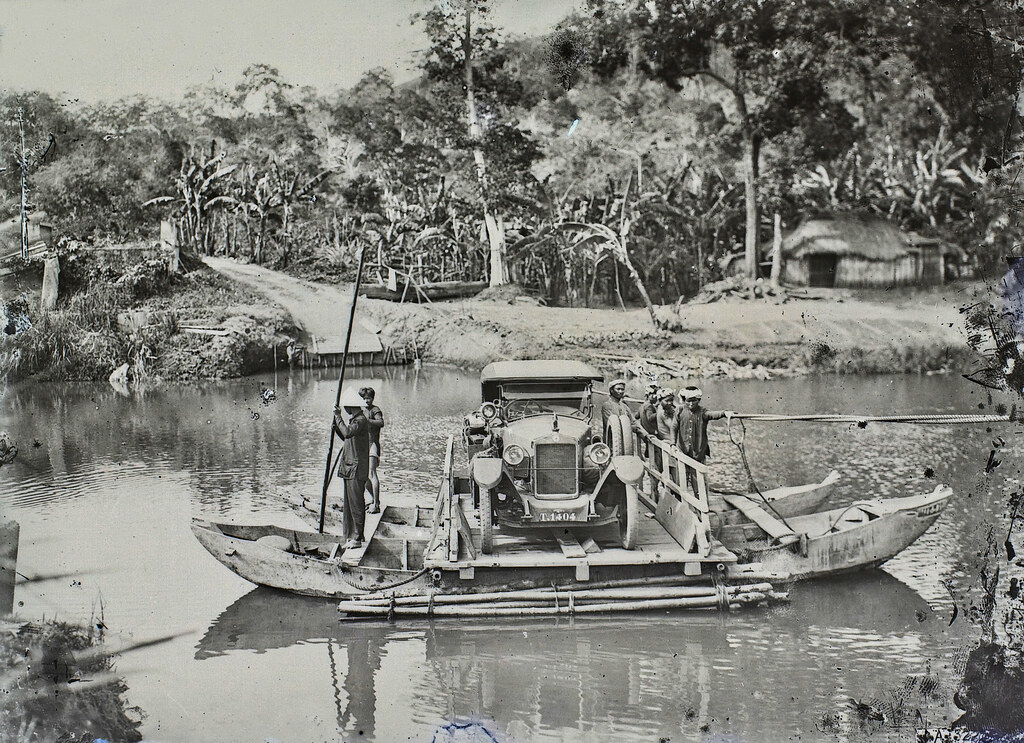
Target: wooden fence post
x=169, y=241
x=9, y=533
x=51, y=283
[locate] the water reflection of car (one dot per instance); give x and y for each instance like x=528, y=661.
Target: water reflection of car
x=537, y=454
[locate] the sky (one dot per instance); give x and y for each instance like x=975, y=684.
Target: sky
x=94, y=50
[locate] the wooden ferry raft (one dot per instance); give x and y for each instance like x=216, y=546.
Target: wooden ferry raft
x=675, y=535
x=677, y=564
x=428, y=561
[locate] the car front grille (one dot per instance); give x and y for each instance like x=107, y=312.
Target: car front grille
x=556, y=469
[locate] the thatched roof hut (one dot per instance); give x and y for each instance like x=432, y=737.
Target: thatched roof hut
x=851, y=251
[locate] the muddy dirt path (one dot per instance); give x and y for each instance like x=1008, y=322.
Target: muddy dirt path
x=320, y=310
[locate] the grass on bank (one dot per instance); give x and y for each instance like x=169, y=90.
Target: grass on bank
x=114, y=311
x=57, y=685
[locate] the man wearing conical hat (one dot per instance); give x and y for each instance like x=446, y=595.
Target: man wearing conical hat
x=353, y=464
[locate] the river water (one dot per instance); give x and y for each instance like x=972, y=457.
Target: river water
x=104, y=487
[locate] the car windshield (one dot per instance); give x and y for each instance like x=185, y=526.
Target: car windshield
x=521, y=400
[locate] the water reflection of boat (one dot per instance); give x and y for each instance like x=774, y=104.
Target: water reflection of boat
x=562, y=674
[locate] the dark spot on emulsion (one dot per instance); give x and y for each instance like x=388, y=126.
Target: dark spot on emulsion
x=566, y=56
x=929, y=472
x=862, y=424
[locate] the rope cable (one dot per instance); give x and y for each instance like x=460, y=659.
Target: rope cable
x=750, y=475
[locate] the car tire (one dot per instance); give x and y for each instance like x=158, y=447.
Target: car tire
x=486, y=512
x=627, y=435
x=629, y=519
x=614, y=436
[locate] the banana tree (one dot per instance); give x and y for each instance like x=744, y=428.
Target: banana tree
x=605, y=240
x=199, y=190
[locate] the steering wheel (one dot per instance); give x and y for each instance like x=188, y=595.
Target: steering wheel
x=526, y=407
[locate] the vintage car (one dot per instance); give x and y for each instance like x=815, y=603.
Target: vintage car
x=539, y=457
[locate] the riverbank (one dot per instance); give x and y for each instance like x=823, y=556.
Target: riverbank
x=839, y=331
x=843, y=332
x=60, y=685
x=238, y=319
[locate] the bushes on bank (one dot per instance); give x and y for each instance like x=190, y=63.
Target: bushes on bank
x=59, y=687
x=115, y=311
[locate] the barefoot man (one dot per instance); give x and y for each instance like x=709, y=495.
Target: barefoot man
x=375, y=419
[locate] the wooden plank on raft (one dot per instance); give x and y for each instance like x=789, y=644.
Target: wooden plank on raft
x=462, y=526
x=759, y=516
x=569, y=544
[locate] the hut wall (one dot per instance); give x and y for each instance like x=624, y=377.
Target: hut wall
x=853, y=271
x=795, y=272
x=930, y=264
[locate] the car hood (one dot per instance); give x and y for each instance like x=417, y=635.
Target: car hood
x=525, y=431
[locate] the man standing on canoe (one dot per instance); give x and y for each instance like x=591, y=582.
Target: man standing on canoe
x=375, y=420
x=353, y=463
x=691, y=424
x=615, y=404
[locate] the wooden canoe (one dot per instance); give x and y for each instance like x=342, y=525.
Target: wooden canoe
x=733, y=527
x=434, y=291
x=862, y=535
x=309, y=563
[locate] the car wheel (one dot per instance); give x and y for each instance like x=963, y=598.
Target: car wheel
x=486, y=522
x=629, y=518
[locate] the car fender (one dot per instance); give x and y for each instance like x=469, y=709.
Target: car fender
x=628, y=468
x=486, y=471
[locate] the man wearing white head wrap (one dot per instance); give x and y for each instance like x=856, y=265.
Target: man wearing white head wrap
x=691, y=426
x=614, y=405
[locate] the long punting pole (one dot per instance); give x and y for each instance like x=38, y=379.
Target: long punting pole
x=341, y=381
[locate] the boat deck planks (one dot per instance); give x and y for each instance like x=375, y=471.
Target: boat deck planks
x=544, y=549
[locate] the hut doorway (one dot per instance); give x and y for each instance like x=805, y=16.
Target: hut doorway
x=821, y=269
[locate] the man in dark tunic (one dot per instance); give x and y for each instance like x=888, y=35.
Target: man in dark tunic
x=691, y=426
x=353, y=464
x=375, y=420
x=615, y=404
x=648, y=415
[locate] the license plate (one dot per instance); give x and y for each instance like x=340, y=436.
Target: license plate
x=556, y=516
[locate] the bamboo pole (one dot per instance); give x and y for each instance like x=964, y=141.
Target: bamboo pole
x=566, y=608
x=341, y=380
x=641, y=592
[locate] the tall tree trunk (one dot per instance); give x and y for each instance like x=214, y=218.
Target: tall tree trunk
x=750, y=156
x=777, y=251
x=494, y=224
x=623, y=257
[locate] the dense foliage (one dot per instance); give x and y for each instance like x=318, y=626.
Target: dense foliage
x=624, y=155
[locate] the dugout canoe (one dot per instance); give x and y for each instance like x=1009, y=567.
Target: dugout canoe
x=305, y=562
x=733, y=527
x=859, y=536
x=434, y=291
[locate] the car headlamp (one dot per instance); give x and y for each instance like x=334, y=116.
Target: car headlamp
x=489, y=411
x=599, y=454
x=513, y=455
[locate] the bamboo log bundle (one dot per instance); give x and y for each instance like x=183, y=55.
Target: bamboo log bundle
x=639, y=592
x=538, y=602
